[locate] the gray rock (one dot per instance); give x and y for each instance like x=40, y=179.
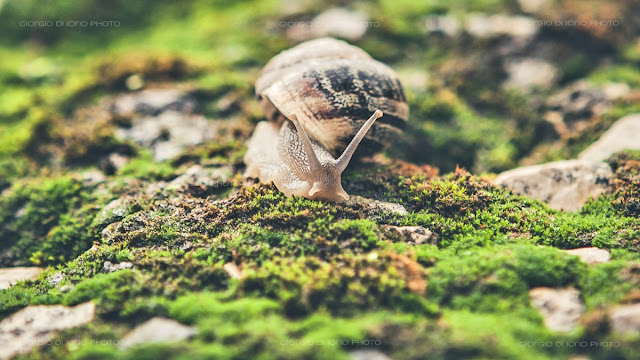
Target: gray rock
x=623, y=134
x=114, y=210
x=615, y=90
x=414, y=78
x=337, y=22
x=579, y=101
x=528, y=73
x=564, y=185
x=93, y=177
x=368, y=355
x=340, y=22
x=152, y=102
x=376, y=206
x=199, y=179
x=168, y=133
x=109, y=267
x=114, y=162
x=561, y=308
x=155, y=330
x=591, y=255
x=443, y=24
x=110, y=231
x=34, y=326
x=626, y=319
x=56, y=278
x=533, y=6
x=413, y=234
x=233, y=270
x=489, y=26
x=9, y=276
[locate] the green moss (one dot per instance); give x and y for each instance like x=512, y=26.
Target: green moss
x=342, y=286
x=145, y=168
x=445, y=131
x=24, y=294
x=628, y=74
x=42, y=221
x=498, y=278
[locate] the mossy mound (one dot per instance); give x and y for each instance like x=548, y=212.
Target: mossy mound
x=255, y=269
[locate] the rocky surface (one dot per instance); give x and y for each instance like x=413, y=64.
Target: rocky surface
x=10, y=276
x=623, y=134
x=525, y=74
x=625, y=319
x=368, y=355
x=155, y=330
x=486, y=26
x=109, y=267
x=162, y=120
x=561, y=308
x=33, y=326
x=591, y=255
x=564, y=185
x=416, y=235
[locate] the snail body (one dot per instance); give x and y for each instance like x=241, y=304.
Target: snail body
x=317, y=97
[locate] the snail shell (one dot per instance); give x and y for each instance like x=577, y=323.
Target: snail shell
x=317, y=97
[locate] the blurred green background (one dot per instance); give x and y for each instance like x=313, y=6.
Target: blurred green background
x=461, y=112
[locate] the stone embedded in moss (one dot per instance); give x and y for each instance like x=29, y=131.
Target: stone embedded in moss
x=34, y=325
x=564, y=185
x=561, y=308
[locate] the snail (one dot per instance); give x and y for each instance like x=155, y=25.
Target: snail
x=317, y=97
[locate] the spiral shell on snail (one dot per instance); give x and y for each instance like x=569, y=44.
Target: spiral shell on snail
x=317, y=97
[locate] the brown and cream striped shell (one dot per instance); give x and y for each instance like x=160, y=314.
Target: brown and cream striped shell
x=333, y=87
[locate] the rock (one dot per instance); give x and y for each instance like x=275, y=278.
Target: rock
x=376, y=206
x=93, y=177
x=626, y=319
x=340, y=22
x=114, y=162
x=233, y=270
x=200, y=181
x=623, y=134
x=168, y=133
x=564, y=185
x=110, y=231
x=162, y=120
x=9, y=276
x=155, y=330
x=443, y=24
x=591, y=255
x=416, y=235
x=533, y=6
x=615, y=91
x=414, y=78
x=525, y=74
x=109, y=267
x=115, y=210
x=39, y=70
x=152, y=102
x=577, y=102
x=56, y=279
x=490, y=26
x=561, y=308
x=368, y=355
x=34, y=325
